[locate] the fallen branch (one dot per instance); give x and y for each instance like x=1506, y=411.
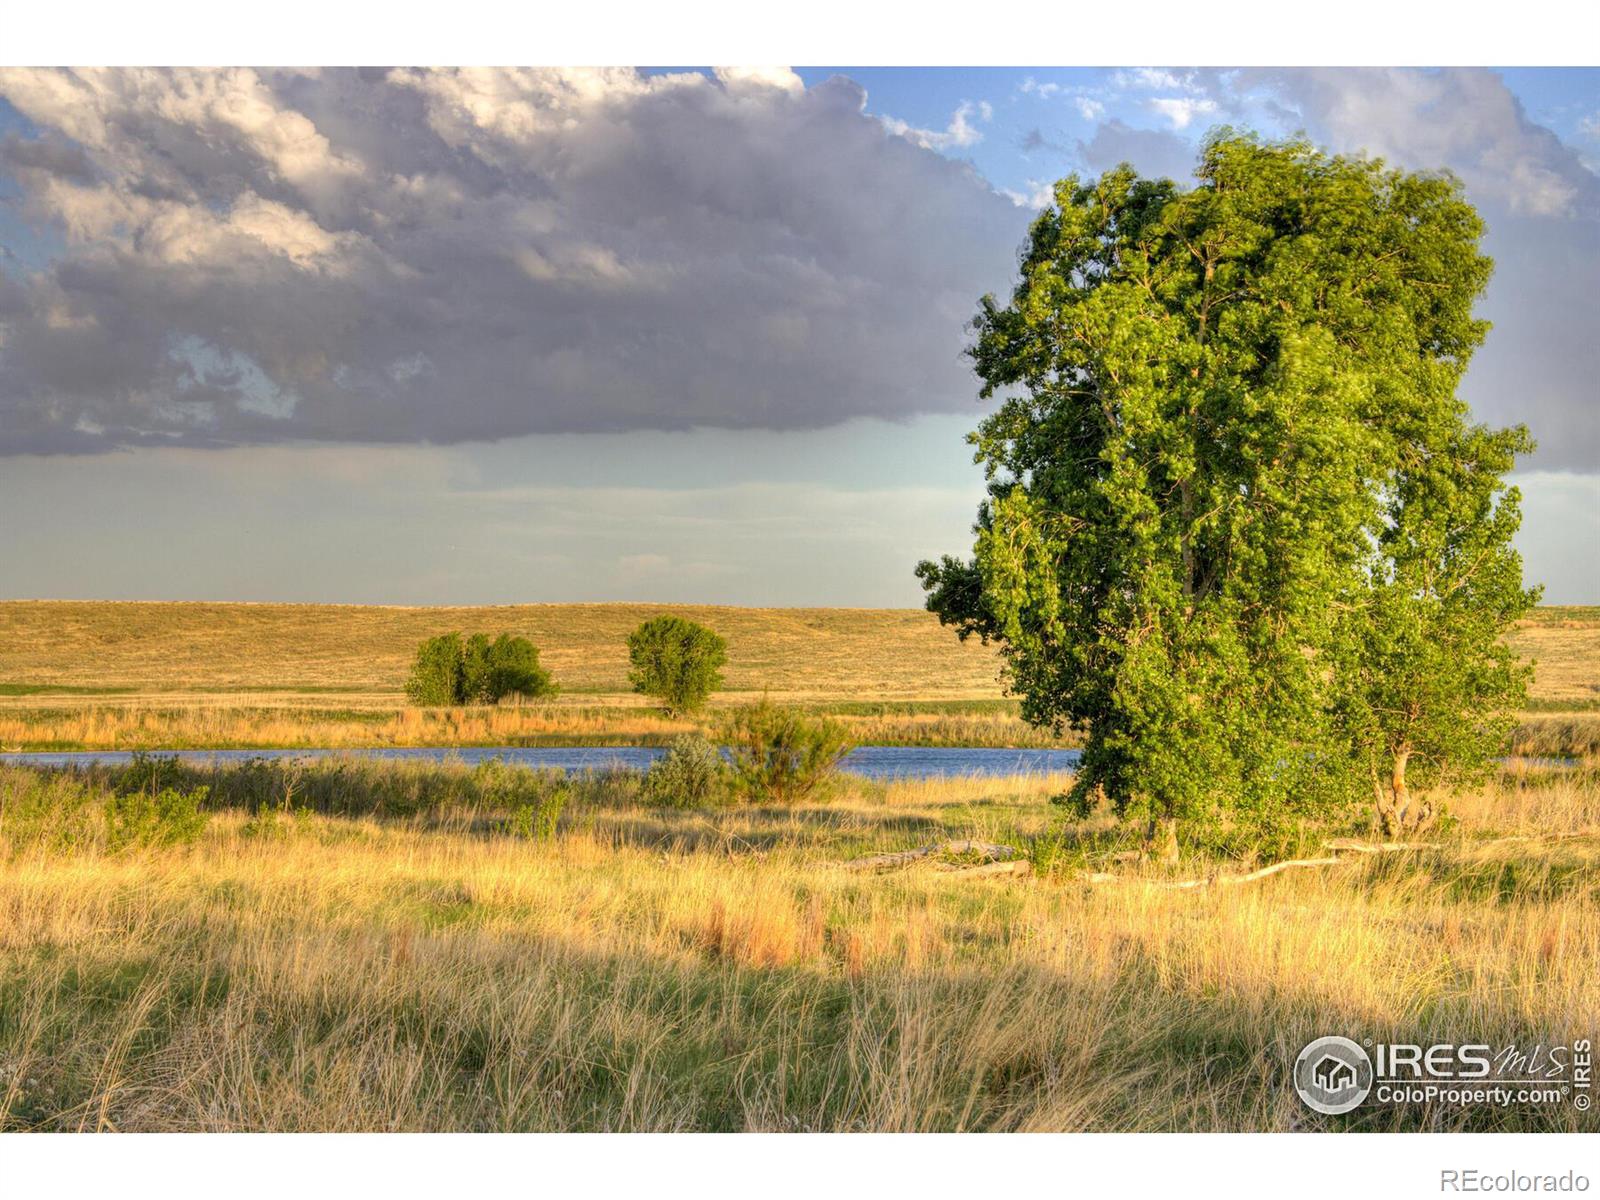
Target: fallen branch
x=990, y=852
x=1019, y=866
x=1007, y=860
x=1377, y=847
x=1536, y=837
x=1210, y=880
x=1333, y=860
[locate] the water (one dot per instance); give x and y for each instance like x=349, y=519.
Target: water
x=871, y=762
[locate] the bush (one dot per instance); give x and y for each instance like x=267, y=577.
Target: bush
x=691, y=774
x=165, y=818
x=537, y=819
x=676, y=661
x=451, y=670
x=780, y=756
x=147, y=772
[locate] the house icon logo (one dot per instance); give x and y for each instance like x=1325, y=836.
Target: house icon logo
x=1333, y=1075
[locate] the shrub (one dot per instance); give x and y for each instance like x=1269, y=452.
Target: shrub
x=780, y=756
x=676, y=661
x=165, y=818
x=147, y=772
x=54, y=811
x=451, y=670
x=691, y=774
x=537, y=819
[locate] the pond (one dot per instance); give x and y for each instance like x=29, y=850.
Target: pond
x=871, y=762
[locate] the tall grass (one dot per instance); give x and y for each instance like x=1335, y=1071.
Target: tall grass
x=376, y=965
x=256, y=727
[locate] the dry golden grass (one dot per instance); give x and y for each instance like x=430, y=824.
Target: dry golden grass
x=282, y=676
x=208, y=724
x=1565, y=642
x=822, y=652
x=686, y=970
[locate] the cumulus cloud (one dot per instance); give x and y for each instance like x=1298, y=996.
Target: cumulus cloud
x=243, y=256
x=1464, y=119
x=1180, y=111
x=958, y=133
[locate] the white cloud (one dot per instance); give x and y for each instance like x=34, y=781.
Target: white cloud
x=1089, y=108
x=1036, y=197
x=1154, y=78
x=1045, y=91
x=959, y=133
x=1181, y=111
x=782, y=78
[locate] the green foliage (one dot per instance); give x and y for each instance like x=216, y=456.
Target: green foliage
x=537, y=819
x=676, y=661
x=1227, y=447
x=691, y=774
x=452, y=670
x=436, y=678
x=1423, y=684
x=147, y=818
x=780, y=756
x=147, y=772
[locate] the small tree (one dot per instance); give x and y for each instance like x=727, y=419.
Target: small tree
x=435, y=679
x=691, y=774
x=1424, y=687
x=676, y=661
x=780, y=756
x=514, y=670
x=451, y=670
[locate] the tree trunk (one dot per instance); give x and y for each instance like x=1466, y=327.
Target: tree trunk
x=1161, y=840
x=1399, y=813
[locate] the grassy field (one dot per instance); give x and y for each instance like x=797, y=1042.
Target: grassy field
x=77, y=674
x=354, y=947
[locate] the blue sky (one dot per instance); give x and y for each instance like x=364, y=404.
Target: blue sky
x=455, y=337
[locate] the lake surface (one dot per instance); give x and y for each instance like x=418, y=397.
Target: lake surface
x=871, y=762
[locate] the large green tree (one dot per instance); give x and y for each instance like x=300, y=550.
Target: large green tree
x=1209, y=398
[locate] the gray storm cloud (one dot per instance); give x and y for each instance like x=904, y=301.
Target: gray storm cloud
x=242, y=256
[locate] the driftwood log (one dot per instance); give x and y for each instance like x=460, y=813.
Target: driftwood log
x=989, y=853
x=998, y=859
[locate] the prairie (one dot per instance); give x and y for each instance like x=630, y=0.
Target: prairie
x=103, y=675
x=363, y=947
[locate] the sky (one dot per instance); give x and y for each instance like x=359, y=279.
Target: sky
x=672, y=334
